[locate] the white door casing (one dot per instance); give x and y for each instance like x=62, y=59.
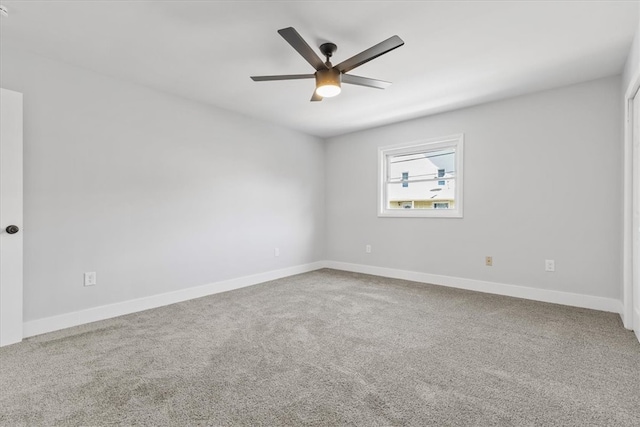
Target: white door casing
x=10, y=214
x=634, y=296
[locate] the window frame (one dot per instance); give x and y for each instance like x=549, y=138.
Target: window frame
x=432, y=144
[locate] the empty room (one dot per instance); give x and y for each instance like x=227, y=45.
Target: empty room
x=283, y=213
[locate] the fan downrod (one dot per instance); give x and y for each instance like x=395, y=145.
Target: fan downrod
x=328, y=49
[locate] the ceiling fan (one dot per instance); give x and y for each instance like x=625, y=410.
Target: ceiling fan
x=329, y=77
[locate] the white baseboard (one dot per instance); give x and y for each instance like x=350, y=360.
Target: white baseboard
x=67, y=320
x=545, y=295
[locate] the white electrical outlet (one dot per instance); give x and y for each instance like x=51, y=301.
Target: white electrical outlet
x=90, y=278
x=276, y=252
x=549, y=265
x=367, y=249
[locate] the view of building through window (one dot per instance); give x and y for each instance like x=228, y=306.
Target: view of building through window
x=422, y=181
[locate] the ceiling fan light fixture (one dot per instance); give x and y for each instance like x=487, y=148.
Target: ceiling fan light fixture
x=328, y=82
x=329, y=77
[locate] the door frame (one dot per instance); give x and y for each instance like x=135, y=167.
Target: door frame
x=631, y=260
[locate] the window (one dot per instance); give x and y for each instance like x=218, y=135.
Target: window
x=434, y=170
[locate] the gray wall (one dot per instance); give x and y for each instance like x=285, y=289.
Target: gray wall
x=542, y=181
x=155, y=193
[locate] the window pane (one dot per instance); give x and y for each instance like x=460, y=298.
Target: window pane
x=421, y=166
x=421, y=195
x=422, y=178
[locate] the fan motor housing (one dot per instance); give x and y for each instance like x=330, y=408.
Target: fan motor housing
x=330, y=76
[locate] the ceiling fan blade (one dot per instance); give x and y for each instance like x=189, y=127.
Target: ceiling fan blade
x=298, y=43
x=316, y=97
x=283, y=77
x=365, y=81
x=369, y=54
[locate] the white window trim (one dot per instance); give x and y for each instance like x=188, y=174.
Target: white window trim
x=428, y=144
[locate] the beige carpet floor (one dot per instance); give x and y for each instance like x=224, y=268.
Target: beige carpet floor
x=331, y=348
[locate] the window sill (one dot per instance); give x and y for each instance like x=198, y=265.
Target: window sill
x=420, y=214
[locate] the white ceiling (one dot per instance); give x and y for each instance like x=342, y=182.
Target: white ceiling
x=455, y=54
